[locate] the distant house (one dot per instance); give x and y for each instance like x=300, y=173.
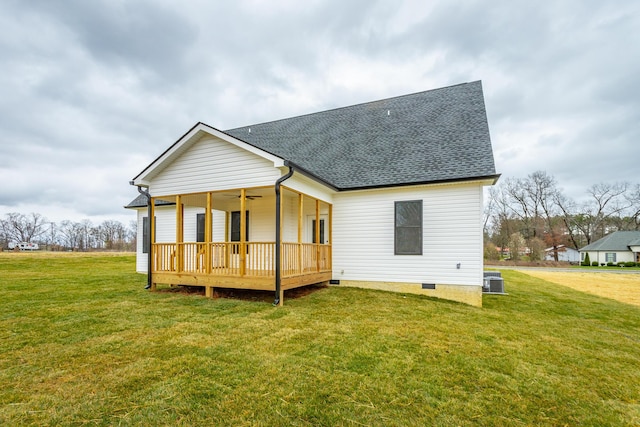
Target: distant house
x=565, y=253
x=619, y=246
x=386, y=195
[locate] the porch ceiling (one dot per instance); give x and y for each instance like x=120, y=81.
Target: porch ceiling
x=227, y=200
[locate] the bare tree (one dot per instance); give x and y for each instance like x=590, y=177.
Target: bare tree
x=499, y=217
x=633, y=199
x=4, y=236
x=516, y=245
x=86, y=239
x=132, y=237
x=532, y=201
x=606, y=204
x=544, y=189
x=112, y=234
x=18, y=227
x=71, y=233
x=568, y=208
x=83, y=235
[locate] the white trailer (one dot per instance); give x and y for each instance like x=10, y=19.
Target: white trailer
x=24, y=246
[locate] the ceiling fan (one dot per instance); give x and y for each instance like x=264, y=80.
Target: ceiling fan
x=248, y=196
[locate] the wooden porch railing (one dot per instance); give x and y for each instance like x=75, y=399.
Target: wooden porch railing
x=227, y=258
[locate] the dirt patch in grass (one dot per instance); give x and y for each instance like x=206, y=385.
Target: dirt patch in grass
x=245, y=294
x=620, y=287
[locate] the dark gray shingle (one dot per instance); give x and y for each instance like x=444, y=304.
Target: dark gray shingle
x=437, y=135
x=616, y=241
x=141, y=202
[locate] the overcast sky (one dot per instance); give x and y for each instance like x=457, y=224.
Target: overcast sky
x=92, y=91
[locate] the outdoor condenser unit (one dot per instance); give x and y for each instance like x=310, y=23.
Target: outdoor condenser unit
x=493, y=282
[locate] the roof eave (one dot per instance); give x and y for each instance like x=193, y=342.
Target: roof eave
x=484, y=179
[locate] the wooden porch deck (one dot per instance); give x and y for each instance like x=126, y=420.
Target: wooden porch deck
x=240, y=265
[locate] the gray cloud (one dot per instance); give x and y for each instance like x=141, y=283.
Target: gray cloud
x=94, y=91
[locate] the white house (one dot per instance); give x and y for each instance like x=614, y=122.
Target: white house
x=617, y=247
x=565, y=253
x=385, y=195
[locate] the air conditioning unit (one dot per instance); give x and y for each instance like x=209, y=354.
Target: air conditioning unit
x=493, y=282
x=495, y=285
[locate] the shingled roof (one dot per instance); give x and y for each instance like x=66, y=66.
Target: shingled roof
x=439, y=135
x=141, y=202
x=616, y=241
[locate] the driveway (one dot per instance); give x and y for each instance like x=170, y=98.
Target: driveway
x=620, y=270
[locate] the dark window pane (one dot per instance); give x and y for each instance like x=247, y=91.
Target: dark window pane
x=408, y=241
x=235, y=226
x=313, y=231
x=145, y=235
x=409, y=214
x=408, y=228
x=200, y=223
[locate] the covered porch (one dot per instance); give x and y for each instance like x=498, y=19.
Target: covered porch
x=228, y=239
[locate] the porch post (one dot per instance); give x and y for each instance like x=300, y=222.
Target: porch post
x=227, y=239
x=330, y=237
x=243, y=232
x=207, y=233
x=317, y=234
x=300, y=230
x=179, y=234
x=151, y=212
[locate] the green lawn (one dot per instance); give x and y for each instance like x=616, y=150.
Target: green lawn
x=82, y=343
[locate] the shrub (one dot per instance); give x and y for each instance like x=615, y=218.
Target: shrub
x=587, y=261
x=491, y=252
x=594, y=263
x=610, y=264
x=629, y=264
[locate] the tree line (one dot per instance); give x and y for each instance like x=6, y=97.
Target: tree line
x=67, y=235
x=528, y=215
x=522, y=217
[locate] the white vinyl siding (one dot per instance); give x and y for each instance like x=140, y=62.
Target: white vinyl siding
x=141, y=257
x=601, y=256
x=309, y=187
x=261, y=219
x=363, y=236
x=213, y=164
x=165, y=216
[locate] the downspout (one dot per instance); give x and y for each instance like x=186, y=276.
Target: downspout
x=278, y=226
x=149, y=213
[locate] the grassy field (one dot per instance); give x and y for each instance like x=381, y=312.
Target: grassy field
x=81, y=343
x=621, y=287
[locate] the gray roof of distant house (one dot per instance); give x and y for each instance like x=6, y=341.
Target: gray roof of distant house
x=439, y=135
x=616, y=241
